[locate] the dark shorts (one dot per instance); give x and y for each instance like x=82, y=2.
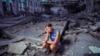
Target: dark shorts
x=59, y=44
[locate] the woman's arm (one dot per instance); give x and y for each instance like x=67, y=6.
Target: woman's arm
x=56, y=39
x=47, y=37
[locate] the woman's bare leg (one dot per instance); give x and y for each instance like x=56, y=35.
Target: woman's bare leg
x=53, y=47
x=45, y=45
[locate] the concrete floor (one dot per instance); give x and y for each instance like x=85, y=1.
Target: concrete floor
x=74, y=48
x=81, y=46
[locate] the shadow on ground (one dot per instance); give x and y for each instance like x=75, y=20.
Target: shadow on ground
x=96, y=54
x=59, y=52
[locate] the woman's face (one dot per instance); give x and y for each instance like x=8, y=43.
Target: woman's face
x=48, y=29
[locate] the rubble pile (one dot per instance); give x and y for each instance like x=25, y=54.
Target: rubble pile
x=22, y=48
x=77, y=21
x=25, y=40
x=81, y=25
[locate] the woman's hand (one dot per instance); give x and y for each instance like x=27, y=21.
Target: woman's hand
x=46, y=30
x=51, y=42
x=44, y=42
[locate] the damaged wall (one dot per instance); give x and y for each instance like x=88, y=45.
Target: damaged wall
x=1, y=9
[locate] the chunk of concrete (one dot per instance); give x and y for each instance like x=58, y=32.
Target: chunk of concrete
x=84, y=30
x=35, y=45
x=98, y=24
x=93, y=27
x=94, y=49
x=16, y=48
x=71, y=37
x=3, y=51
x=2, y=43
x=39, y=53
x=43, y=50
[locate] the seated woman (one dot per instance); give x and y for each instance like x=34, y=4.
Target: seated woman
x=52, y=39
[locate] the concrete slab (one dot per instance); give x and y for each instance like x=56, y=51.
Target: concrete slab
x=3, y=51
x=34, y=31
x=16, y=48
x=98, y=24
x=31, y=53
x=6, y=42
x=5, y=25
x=93, y=27
x=11, y=22
x=37, y=46
x=87, y=37
x=94, y=49
x=71, y=37
x=81, y=47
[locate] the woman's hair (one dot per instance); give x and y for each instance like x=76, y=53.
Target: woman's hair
x=48, y=25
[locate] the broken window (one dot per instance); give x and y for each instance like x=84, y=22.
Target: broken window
x=4, y=5
x=10, y=1
x=21, y=5
x=30, y=6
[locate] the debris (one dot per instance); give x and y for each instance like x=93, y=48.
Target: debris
x=16, y=48
x=84, y=30
x=10, y=41
x=94, y=49
x=43, y=50
x=39, y=53
x=31, y=52
x=93, y=27
x=72, y=53
x=70, y=37
x=82, y=47
x=37, y=46
x=3, y=51
x=98, y=24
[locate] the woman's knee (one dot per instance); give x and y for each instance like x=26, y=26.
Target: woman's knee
x=44, y=45
x=53, y=47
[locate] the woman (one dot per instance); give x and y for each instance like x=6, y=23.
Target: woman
x=52, y=39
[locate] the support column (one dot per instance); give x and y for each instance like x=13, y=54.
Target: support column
x=15, y=7
x=1, y=8
x=89, y=5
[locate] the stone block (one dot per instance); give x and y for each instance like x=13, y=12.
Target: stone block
x=94, y=49
x=93, y=27
x=6, y=42
x=17, y=48
x=3, y=51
